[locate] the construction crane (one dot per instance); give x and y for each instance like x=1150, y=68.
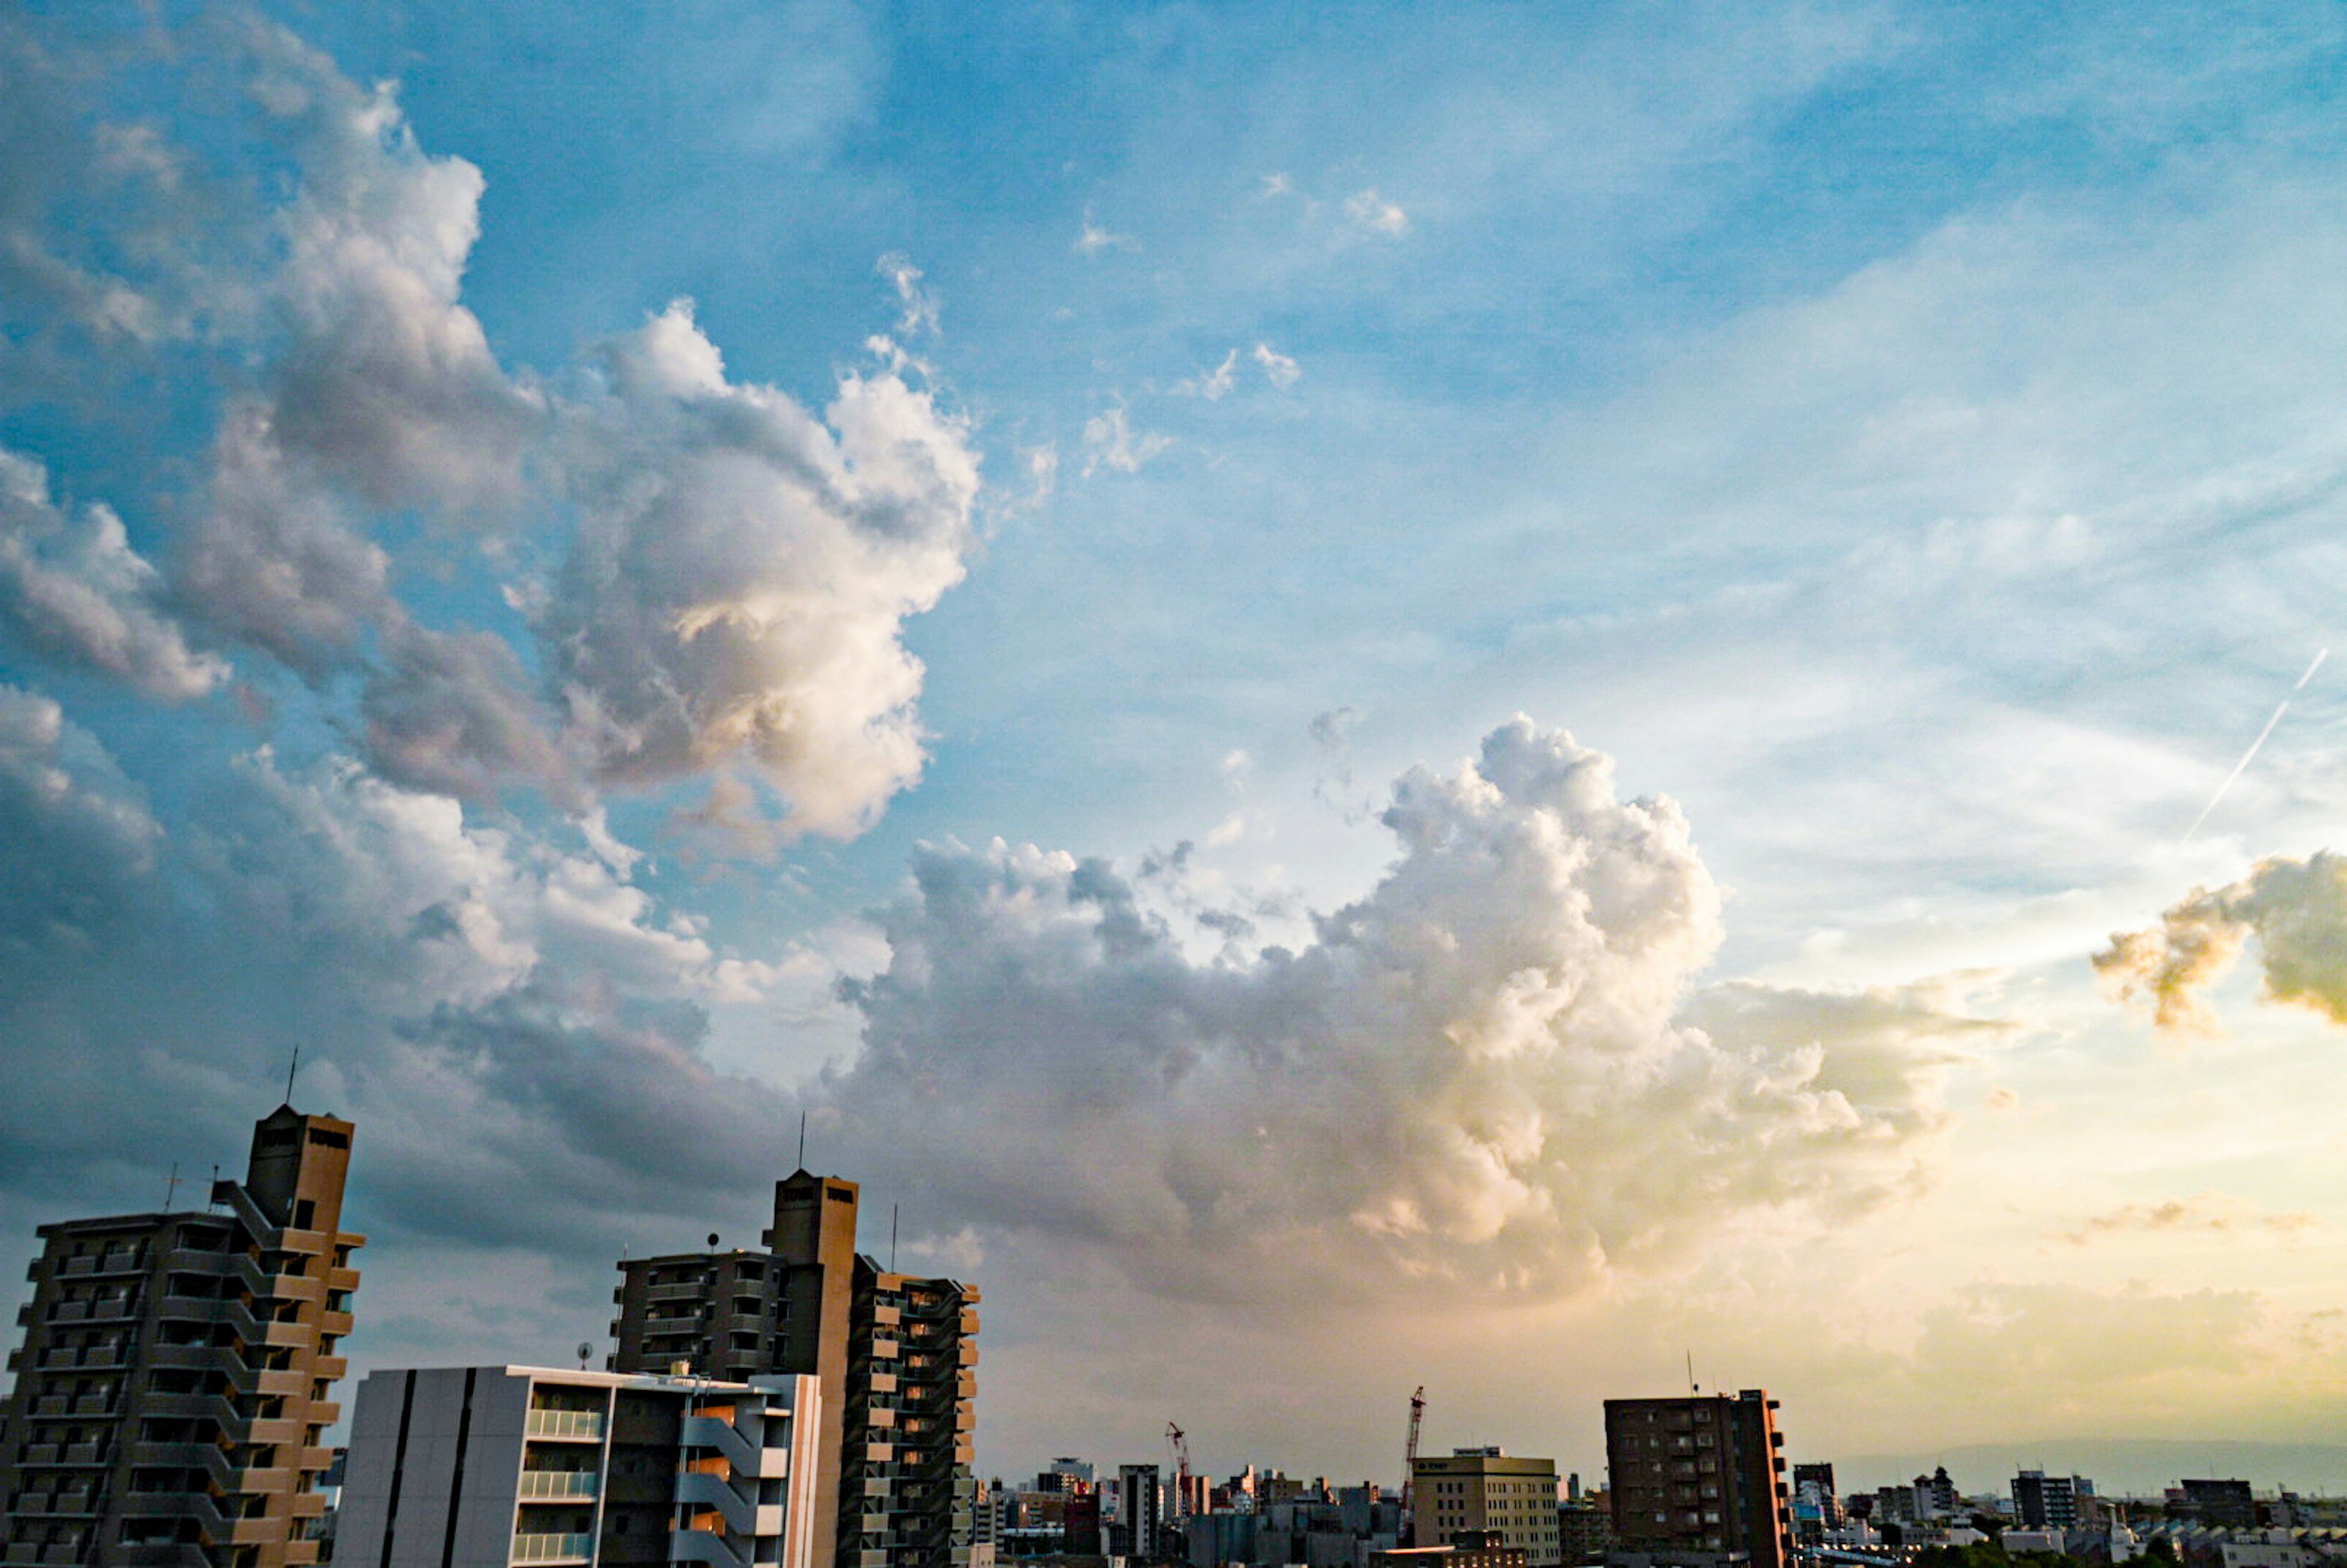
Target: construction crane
x=1181, y=1446
x=1409, y=1468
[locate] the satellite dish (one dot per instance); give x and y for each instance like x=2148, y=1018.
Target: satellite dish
x=585, y=1350
x=712, y=1241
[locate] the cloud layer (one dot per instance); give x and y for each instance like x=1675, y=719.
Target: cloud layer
x=1473, y=1077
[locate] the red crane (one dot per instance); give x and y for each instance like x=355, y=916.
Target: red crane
x=1410, y=1469
x=1180, y=1471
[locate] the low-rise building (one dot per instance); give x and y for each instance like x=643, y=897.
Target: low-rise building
x=509, y=1465
x=1486, y=1489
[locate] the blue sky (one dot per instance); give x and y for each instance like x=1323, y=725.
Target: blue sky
x=972, y=573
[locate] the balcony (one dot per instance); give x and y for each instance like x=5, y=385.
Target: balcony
x=557, y=1485
x=583, y=1424
x=536, y=1548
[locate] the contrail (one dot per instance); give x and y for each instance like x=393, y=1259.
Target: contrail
x=2248, y=756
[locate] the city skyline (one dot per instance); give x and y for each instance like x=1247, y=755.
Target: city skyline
x=1349, y=703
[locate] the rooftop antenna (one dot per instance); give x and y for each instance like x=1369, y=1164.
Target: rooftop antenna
x=892, y=1238
x=171, y=1187
x=802, y=1140
x=1693, y=1387
x=293, y=1067
x=212, y=1199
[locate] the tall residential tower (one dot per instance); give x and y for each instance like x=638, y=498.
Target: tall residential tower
x=896, y=1356
x=177, y=1370
x=1696, y=1479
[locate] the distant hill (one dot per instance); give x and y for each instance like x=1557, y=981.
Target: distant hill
x=2118, y=1466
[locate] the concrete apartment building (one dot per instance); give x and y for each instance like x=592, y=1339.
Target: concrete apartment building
x=177, y=1373
x=1475, y=1492
x=547, y=1466
x=1139, y=1516
x=2042, y=1502
x=896, y=1356
x=1697, y=1481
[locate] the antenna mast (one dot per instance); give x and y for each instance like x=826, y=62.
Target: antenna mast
x=295, y=1067
x=1409, y=1466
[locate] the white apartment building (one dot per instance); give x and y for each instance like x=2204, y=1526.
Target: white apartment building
x=555, y=1467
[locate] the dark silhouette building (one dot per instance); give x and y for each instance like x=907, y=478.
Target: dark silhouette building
x=897, y=1355
x=1697, y=1479
x=177, y=1374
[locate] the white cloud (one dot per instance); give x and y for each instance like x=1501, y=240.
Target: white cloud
x=920, y=305
x=1111, y=442
x=79, y=591
x=741, y=571
x=1472, y=1076
x=1215, y=386
x=388, y=384
x=1372, y=213
x=1091, y=239
x=1277, y=368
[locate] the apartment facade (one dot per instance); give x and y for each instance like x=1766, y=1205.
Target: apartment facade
x=1140, y=1514
x=565, y=1469
x=897, y=1355
x=1474, y=1493
x=1700, y=1480
x=177, y=1370
x=2042, y=1502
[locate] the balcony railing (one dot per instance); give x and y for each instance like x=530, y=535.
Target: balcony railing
x=565, y=1424
x=557, y=1484
x=536, y=1548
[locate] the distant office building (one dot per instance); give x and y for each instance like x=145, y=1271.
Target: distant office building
x=1935, y=1495
x=488, y=1466
x=1696, y=1479
x=1476, y=1490
x=897, y=1356
x=1818, y=1479
x=1584, y=1531
x=1081, y=1527
x=2042, y=1502
x=1075, y=1474
x=178, y=1371
x=2220, y=1504
x=1138, y=1515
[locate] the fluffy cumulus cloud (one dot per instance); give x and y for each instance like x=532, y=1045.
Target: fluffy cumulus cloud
x=2297, y=910
x=72, y=585
x=739, y=569
x=743, y=570
x=377, y=386
x=1475, y=1076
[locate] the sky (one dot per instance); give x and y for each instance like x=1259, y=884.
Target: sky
x=1350, y=698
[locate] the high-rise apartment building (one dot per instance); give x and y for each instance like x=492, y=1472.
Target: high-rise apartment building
x=177, y=1370
x=897, y=1355
x=1140, y=1520
x=507, y=1465
x=1697, y=1479
x=1473, y=1491
x=2225, y=1504
x=2042, y=1502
